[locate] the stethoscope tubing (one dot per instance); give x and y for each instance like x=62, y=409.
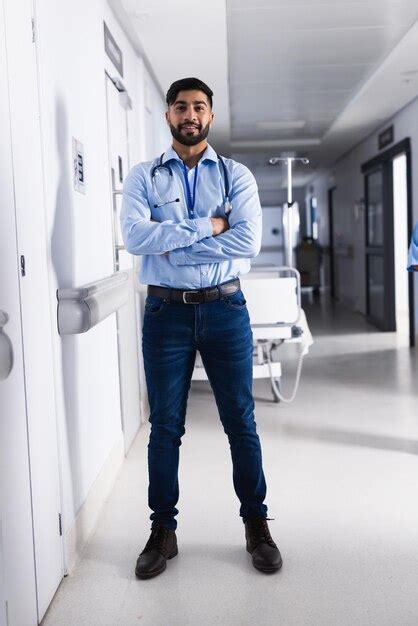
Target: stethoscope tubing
x=166, y=166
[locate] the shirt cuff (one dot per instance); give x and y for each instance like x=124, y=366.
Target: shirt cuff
x=177, y=257
x=204, y=227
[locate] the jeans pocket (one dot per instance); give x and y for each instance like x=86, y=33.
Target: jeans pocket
x=154, y=305
x=236, y=300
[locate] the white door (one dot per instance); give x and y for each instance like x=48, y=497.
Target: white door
x=127, y=316
x=17, y=563
x=34, y=466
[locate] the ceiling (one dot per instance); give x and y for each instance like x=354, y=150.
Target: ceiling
x=181, y=38
x=306, y=61
x=290, y=77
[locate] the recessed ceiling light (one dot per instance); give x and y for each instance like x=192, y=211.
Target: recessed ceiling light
x=275, y=143
x=281, y=124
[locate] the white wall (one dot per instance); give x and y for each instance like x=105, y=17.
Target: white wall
x=72, y=64
x=158, y=136
x=346, y=176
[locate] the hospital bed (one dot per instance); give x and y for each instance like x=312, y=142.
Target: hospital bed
x=273, y=298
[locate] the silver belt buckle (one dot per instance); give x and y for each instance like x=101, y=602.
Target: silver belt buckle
x=185, y=294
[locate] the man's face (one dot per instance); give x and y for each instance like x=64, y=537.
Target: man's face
x=190, y=117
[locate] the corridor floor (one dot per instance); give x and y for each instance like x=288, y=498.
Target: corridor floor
x=341, y=465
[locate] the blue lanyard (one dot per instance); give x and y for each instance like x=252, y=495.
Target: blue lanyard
x=190, y=201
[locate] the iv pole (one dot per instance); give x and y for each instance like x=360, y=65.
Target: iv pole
x=289, y=241
x=290, y=269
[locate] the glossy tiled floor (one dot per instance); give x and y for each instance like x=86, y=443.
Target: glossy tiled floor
x=341, y=465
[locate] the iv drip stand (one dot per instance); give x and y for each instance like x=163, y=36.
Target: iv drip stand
x=289, y=242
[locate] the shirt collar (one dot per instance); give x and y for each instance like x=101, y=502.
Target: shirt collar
x=208, y=155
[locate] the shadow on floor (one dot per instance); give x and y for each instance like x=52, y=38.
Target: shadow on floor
x=351, y=438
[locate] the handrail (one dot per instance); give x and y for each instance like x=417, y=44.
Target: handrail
x=6, y=349
x=81, y=308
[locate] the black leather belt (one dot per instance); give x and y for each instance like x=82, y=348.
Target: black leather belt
x=195, y=296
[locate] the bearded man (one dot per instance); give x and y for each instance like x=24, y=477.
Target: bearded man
x=195, y=218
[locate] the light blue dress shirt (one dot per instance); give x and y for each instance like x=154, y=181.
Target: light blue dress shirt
x=195, y=258
x=413, y=251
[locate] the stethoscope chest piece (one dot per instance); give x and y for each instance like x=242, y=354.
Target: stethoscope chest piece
x=162, y=167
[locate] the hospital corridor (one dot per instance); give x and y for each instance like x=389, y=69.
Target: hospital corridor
x=208, y=313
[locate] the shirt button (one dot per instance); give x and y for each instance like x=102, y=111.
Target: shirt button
x=204, y=273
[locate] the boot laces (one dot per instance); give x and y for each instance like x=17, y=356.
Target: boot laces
x=158, y=540
x=259, y=531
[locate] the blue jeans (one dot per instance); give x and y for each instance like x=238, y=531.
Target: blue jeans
x=220, y=330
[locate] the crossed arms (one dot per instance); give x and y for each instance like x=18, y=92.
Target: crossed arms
x=193, y=241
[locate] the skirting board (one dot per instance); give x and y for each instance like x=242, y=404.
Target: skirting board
x=84, y=524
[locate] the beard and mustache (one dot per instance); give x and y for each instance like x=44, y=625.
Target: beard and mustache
x=189, y=139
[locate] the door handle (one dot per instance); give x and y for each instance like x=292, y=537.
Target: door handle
x=6, y=349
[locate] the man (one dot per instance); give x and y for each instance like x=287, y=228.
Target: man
x=196, y=219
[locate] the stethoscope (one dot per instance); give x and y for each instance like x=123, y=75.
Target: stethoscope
x=226, y=203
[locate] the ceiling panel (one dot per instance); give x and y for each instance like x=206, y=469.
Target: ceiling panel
x=307, y=77
x=251, y=131
x=284, y=109
x=271, y=20
x=382, y=5
x=251, y=97
x=251, y=56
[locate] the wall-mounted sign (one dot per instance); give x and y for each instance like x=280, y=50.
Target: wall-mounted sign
x=386, y=137
x=112, y=50
x=78, y=166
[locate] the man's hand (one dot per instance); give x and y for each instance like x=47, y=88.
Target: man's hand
x=219, y=225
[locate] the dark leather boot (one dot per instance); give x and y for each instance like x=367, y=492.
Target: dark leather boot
x=265, y=553
x=161, y=545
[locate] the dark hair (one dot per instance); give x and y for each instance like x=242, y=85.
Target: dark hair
x=187, y=84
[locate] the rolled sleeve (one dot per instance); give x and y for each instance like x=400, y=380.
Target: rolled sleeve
x=204, y=227
x=142, y=235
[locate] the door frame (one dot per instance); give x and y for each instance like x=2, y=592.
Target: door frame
x=386, y=250
x=384, y=161
x=131, y=379
x=331, y=191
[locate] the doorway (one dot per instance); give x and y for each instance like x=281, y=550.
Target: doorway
x=388, y=220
